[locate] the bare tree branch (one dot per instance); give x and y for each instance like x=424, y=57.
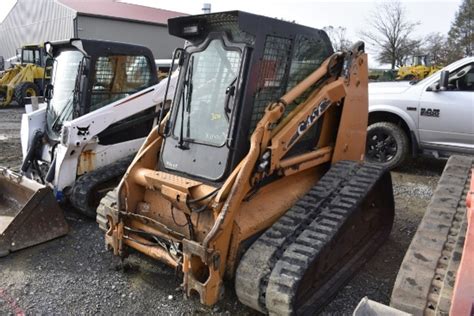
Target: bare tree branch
x=338, y=37
x=389, y=33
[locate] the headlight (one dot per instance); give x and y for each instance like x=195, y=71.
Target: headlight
x=64, y=136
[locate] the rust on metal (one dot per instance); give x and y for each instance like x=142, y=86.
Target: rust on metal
x=86, y=162
x=141, y=244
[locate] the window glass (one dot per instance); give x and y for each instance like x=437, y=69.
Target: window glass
x=28, y=56
x=202, y=103
x=118, y=76
x=462, y=79
x=60, y=107
x=32, y=56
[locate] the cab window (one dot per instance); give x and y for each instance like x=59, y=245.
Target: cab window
x=32, y=56
x=118, y=76
x=461, y=79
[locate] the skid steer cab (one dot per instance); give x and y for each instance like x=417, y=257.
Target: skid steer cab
x=102, y=102
x=256, y=174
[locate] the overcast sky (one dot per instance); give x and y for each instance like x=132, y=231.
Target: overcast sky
x=433, y=15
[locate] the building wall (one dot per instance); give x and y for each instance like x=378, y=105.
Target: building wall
x=153, y=36
x=34, y=22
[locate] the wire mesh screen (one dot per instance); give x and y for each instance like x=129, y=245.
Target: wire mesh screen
x=283, y=66
x=226, y=21
x=104, y=71
x=138, y=71
x=308, y=55
x=272, y=79
x=118, y=76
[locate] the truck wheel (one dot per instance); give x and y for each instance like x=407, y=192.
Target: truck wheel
x=387, y=144
x=25, y=90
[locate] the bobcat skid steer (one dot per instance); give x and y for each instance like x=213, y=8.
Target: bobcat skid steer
x=103, y=100
x=257, y=174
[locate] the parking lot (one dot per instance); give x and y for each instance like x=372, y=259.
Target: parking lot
x=75, y=274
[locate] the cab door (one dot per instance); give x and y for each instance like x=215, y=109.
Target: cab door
x=446, y=118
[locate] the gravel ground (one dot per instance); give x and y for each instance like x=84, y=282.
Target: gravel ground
x=75, y=275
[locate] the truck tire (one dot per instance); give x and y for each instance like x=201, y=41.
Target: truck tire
x=25, y=90
x=387, y=144
x=91, y=187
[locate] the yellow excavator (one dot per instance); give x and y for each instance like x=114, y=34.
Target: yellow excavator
x=257, y=175
x=25, y=79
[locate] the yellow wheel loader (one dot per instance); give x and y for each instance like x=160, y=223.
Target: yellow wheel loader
x=420, y=68
x=102, y=102
x=257, y=175
x=25, y=79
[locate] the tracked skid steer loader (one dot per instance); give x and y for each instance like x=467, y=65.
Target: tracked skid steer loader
x=256, y=175
x=101, y=104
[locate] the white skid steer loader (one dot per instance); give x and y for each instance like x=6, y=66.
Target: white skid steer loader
x=103, y=100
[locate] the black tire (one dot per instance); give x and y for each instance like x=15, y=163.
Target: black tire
x=387, y=144
x=3, y=96
x=91, y=187
x=409, y=77
x=25, y=90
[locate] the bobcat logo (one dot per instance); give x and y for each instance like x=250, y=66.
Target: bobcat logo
x=83, y=131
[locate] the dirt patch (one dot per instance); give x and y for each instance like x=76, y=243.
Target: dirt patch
x=10, y=148
x=76, y=274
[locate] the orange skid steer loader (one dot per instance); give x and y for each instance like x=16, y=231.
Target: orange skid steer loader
x=256, y=174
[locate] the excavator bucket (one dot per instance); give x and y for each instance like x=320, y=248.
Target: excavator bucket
x=29, y=213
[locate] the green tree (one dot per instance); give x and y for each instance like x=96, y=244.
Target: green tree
x=461, y=34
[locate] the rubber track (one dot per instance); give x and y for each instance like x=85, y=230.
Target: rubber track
x=88, y=182
x=269, y=271
x=426, y=278
x=108, y=205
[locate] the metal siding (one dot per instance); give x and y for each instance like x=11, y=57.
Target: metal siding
x=155, y=37
x=35, y=21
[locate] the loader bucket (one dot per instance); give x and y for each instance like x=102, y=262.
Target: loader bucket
x=29, y=213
